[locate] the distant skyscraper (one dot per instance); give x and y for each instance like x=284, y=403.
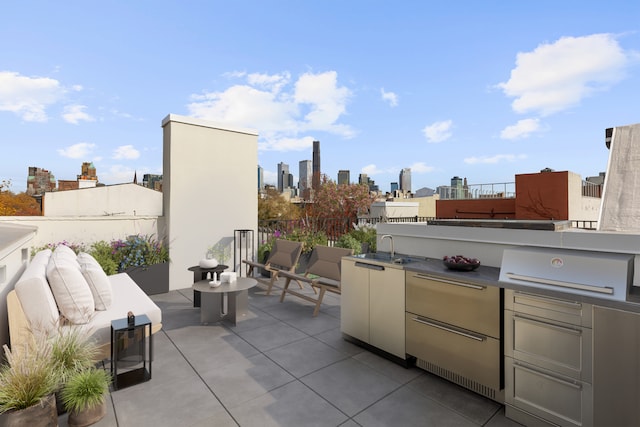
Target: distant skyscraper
x=315, y=184
x=457, y=188
x=363, y=179
x=283, y=176
x=394, y=186
x=260, y=178
x=405, y=180
x=343, y=177
x=304, y=181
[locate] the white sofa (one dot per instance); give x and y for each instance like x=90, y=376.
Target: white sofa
x=61, y=290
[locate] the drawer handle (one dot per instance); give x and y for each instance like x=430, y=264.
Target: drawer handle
x=547, y=376
x=589, y=288
x=522, y=295
x=451, y=282
x=369, y=266
x=552, y=325
x=448, y=328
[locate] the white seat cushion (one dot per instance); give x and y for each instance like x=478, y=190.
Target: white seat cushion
x=70, y=289
x=97, y=280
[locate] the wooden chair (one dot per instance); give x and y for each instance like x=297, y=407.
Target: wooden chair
x=283, y=258
x=323, y=273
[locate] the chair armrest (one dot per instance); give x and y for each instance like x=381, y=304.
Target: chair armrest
x=295, y=276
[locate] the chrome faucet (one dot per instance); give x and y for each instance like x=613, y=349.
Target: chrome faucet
x=391, y=243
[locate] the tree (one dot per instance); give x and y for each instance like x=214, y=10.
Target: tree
x=274, y=206
x=16, y=204
x=340, y=201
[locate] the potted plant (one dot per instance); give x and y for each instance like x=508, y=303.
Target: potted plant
x=349, y=242
x=84, y=396
x=146, y=260
x=28, y=380
x=362, y=239
x=71, y=352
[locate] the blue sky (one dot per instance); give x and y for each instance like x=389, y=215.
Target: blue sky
x=477, y=89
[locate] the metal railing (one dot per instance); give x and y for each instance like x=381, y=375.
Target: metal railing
x=498, y=190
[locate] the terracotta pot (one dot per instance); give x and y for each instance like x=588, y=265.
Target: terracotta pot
x=42, y=414
x=89, y=416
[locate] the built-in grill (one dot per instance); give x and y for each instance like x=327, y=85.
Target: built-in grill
x=597, y=274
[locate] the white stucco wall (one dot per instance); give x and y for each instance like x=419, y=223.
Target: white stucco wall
x=393, y=209
x=210, y=189
x=110, y=200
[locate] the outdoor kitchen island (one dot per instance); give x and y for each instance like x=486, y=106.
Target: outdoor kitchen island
x=565, y=356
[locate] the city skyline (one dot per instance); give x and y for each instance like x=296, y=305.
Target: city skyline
x=510, y=88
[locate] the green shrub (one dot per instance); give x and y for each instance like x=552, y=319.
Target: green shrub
x=86, y=389
x=309, y=238
x=103, y=253
x=349, y=242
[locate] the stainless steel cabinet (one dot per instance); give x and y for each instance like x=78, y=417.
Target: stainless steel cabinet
x=616, y=367
x=373, y=305
x=548, y=360
x=454, y=330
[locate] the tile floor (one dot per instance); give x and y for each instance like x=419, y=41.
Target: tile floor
x=282, y=367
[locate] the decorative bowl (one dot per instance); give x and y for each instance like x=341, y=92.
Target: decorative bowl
x=462, y=264
x=208, y=263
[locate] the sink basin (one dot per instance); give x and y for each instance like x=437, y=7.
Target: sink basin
x=385, y=257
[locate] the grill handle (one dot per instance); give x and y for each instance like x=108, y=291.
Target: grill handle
x=590, y=288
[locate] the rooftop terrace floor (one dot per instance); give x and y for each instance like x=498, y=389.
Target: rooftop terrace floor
x=283, y=367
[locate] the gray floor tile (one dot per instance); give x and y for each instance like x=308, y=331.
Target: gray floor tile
x=272, y=336
x=350, y=385
x=185, y=402
x=317, y=355
x=334, y=338
x=499, y=420
x=256, y=318
x=313, y=325
x=387, y=367
x=291, y=405
x=246, y=379
x=406, y=408
x=477, y=408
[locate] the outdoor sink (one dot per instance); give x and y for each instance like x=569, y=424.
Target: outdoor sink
x=385, y=257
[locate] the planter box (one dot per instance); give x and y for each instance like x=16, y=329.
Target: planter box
x=152, y=279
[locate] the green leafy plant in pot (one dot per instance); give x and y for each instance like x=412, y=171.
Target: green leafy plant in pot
x=28, y=380
x=84, y=396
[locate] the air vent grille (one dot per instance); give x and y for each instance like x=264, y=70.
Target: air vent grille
x=461, y=380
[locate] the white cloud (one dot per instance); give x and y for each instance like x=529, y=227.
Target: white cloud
x=421, y=167
x=126, y=152
x=438, y=131
x=371, y=170
x=278, y=108
x=119, y=174
x=77, y=151
x=28, y=97
x=498, y=158
x=270, y=177
x=556, y=76
x=522, y=129
x=286, y=144
x=75, y=113
x=390, y=97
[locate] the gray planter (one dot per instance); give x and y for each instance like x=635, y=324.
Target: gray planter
x=43, y=414
x=152, y=279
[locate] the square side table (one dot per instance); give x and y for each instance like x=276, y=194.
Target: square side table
x=131, y=351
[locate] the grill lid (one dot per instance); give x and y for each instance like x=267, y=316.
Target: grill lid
x=599, y=274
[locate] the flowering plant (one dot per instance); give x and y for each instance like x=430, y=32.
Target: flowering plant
x=139, y=250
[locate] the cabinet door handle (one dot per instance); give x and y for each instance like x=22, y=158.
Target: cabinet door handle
x=547, y=376
x=451, y=282
x=448, y=328
x=369, y=266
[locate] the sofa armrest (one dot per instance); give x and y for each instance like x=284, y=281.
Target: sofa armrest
x=19, y=330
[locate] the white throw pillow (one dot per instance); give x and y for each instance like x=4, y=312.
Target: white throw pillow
x=97, y=280
x=64, y=251
x=70, y=289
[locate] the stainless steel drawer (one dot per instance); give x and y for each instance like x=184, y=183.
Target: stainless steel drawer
x=465, y=305
x=567, y=311
x=553, y=397
x=464, y=353
x=556, y=346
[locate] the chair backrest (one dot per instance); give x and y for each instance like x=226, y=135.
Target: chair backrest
x=325, y=261
x=285, y=253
